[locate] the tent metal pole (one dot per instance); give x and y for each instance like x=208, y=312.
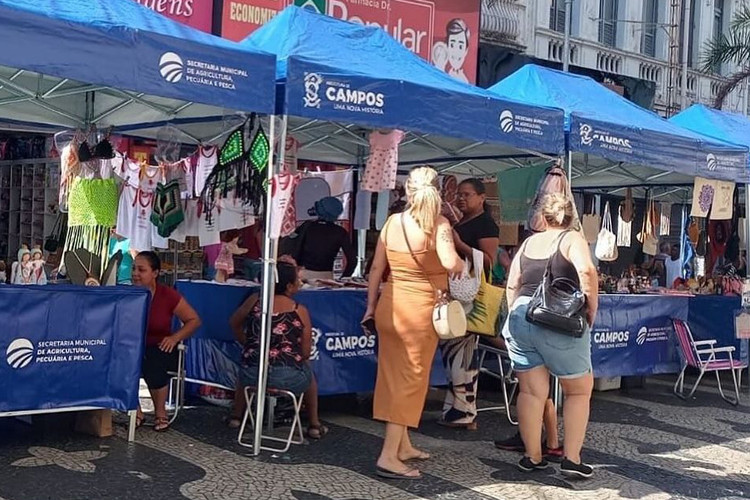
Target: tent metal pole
x=570, y=168
x=269, y=280
x=687, y=27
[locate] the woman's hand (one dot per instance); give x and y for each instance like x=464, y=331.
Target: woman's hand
x=369, y=313
x=168, y=344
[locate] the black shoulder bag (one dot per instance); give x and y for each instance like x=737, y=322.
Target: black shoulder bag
x=558, y=303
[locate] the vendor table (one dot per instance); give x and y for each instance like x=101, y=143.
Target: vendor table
x=344, y=358
x=633, y=334
x=70, y=347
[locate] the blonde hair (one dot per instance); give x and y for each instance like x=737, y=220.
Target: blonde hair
x=423, y=195
x=557, y=210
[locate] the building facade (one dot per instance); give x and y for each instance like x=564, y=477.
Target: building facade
x=633, y=45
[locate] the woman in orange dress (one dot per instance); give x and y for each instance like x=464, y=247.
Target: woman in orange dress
x=418, y=248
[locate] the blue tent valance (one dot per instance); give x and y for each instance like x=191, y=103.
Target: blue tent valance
x=602, y=123
x=126, y=46
x=343, y=72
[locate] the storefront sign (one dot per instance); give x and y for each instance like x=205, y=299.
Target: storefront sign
x=444, y=32
x=197, y=14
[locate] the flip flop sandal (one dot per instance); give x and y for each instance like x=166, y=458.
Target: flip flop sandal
x=317, y=431
x=389, y=474
x=139, y=419
x=470, y=426
x=161, y=424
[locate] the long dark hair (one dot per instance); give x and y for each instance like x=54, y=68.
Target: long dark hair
x=479, y=187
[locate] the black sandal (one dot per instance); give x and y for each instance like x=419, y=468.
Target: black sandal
x=317, y=432
x=389, y=474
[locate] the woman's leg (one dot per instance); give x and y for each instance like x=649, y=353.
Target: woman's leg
x=534, y=388
x=311, y=401
x=159, y=397
x=577, y=393
x=388, y=459
x=550, y=424
x=407, y=451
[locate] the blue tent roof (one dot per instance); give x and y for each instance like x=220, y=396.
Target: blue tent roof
x=731, y=127
x=606, y=124
x=344, y=72
x=121, y=44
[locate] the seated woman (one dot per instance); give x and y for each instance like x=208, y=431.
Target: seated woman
x=289, y=350
x=161, y=353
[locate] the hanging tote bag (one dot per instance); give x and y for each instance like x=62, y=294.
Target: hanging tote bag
x=464, y=288
x=448, y=316
x=591, y=223
x=650, y=241
x=606, y=242
x=484, y=316
x=624, y=230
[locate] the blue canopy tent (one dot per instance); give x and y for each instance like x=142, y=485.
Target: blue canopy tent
x=632, y=141
x=73, y=63
x=710, y=122
x=336, y=76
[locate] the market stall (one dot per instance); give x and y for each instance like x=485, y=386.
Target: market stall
x=614, y=144
x=338, y=76
x=78, y=65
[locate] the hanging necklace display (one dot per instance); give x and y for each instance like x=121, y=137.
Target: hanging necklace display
x=90, y=280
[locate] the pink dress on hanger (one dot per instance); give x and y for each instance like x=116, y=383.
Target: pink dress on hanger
x=382, y=164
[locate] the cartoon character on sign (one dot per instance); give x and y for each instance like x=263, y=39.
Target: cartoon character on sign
x=450, y=55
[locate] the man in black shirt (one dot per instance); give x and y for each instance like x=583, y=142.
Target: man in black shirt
x=320, y=241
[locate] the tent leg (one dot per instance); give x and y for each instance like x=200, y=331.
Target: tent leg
x=361, y=255
x=270, y=251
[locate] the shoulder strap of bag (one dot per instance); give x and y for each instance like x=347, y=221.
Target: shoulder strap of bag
x=548, y=269
x=411, y=252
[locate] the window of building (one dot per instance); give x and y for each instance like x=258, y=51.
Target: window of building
x=718, y=25
x=692, y=26
x=608, y=22
x=557, y=16
x=650, y=27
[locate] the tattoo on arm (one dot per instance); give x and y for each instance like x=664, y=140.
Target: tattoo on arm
x=446, y=236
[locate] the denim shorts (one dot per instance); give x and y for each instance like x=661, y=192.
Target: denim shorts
x=295, y=379
x=530, y=346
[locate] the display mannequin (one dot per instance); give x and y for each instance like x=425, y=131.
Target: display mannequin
x=225, y=261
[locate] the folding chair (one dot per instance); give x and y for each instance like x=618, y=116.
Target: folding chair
x=176, y=395
x=274, y=395
x=508, y=382
x=702, y=355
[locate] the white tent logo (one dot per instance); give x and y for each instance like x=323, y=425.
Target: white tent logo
x=711, y=162
x=585, y=131
x=506, y=121
x=20, y=353
x=642, y=334
x=313, y=81
x=315, y=352
x=171, y=67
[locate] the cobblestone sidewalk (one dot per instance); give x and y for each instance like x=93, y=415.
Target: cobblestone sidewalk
x=645, y=444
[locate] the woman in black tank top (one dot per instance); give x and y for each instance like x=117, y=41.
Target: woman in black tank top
x=537, y=352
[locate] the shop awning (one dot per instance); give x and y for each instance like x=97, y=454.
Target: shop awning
x=330, y=70
x=72, y=62
x=601, y=123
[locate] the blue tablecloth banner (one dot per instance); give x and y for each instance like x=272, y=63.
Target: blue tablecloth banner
x=712, y=317
x=69, y=346
x=344, y=358
x=633, y=335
